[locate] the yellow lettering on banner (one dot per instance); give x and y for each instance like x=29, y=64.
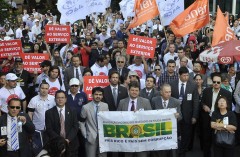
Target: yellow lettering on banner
x=197, y=12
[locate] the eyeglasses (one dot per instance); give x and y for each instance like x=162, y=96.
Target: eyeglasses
x=74, y=85
x=157, y=69
x=120, y=61
x=15, y=107
x=216, y=82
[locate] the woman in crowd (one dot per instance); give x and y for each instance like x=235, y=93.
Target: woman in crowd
x=226, y=82
x=223, y=120
x=68, y=63
x=36, y=48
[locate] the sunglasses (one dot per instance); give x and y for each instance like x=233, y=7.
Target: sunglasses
x=120, y=61
x=15, y=107
x=216, y=82
x=157, y=69
x=74, y=86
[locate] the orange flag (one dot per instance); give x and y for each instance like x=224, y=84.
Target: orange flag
x=193, y=18
x=222, y=30
x=144, y=11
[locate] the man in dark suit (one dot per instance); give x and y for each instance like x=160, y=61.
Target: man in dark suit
x=134, y=103
x=120, y=66
x=61, y=120
x=209, y=97
x=74, y=71
x=163, y=102
x=186, y=91
x=114, y=92
x=96, y=52
x=15, y=131
x=149, y=92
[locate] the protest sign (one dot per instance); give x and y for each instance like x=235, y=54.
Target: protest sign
x=31, y=61
x=57, y=34
x=138, y=131
x=169, y=10
x=141, y=46
x=10, y=48
x=94, y=81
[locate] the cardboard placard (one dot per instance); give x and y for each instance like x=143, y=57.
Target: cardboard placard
x=57, y=34
x=94, y=81
x=10, y=48
x=141, y=46
x=31, y=61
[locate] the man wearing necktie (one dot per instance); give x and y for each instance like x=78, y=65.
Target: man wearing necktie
x=165, y=101
x=149, y=92
x=89, y=123
x=186, y=91
x=133, y=103
x=114, y=92
x=61, y=120
x=15, y=127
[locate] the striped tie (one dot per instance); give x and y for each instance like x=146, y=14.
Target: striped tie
x=14, y=136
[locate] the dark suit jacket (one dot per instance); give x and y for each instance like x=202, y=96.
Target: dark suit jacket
x=204, y=77
x=69, y=74
x=108, y=97
x=53, y=127
x=124, y=71
x=173, y=103
x=153, y=93
x=27, y=130
x=189, y=108
x=142, y=103
x=94, y=56
x=207, y=99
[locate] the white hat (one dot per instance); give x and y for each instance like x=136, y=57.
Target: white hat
x=36, y=20
x=74, y=81
x=11, y=77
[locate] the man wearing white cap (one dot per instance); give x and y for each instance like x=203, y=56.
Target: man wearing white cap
x=11, y=90
x=36, y=29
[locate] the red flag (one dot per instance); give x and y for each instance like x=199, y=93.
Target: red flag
x=193, y=18
x=144, y=11
x=222, y=30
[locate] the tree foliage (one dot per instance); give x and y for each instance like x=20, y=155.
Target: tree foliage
x=4, y=11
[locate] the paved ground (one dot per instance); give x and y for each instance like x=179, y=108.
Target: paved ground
x=196, y=151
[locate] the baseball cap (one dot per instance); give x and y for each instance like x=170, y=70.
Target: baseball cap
x=74, y=81
x=18, y=60
x=46, y=63
x=11, y=77
x=132, y=73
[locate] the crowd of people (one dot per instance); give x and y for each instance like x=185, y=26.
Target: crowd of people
x=54, y=103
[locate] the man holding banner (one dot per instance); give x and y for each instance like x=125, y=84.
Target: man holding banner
x=89, y=123
x=134, y=103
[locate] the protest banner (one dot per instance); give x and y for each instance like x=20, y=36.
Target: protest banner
x=10, y=48
x=138, y=131
x=193, y=18
x=169, y=10
x=31, y=61
x=73, y=10
x=57, y=34
x=141, y=46
x=94, y=81
x=222, y=25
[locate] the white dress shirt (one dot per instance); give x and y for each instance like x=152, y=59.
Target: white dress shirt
x=63, y=111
